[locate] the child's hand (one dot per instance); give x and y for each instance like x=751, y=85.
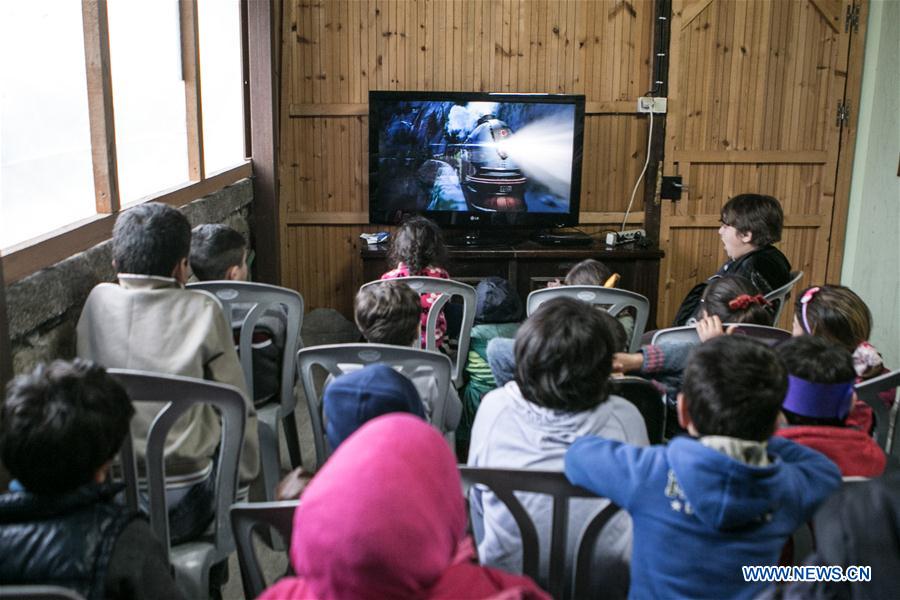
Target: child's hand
x=554, y=283
x=624, y=362
x=293, y=484
x=709, y=328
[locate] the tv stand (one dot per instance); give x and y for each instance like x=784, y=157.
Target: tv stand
x=530, y=266
x=478, y=238
x=559, y=237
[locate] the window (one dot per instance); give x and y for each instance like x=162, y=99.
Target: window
x=102, y=105
x=222, y=82
x=148, y=96
x=44, y=126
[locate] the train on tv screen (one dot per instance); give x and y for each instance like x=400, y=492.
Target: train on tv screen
x=475, y=160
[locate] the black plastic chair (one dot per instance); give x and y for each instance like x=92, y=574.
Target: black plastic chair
x=563, y=581
x=246, y=517
x=649, y=401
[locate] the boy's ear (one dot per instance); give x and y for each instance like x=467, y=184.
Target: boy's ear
x=684, y=417
x=746, y=236
x=182, y=271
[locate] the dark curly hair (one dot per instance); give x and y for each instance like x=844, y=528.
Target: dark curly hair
x=418, y=244
x=564, y=355
x=60, y=423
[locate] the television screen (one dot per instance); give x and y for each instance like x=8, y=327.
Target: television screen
x=475, y=159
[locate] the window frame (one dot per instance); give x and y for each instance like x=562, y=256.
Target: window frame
x=25, y=258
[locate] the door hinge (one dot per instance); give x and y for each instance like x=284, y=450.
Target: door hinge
x=843, y=113
x=852, y=18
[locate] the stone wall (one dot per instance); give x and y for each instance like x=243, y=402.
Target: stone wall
x=44, y=307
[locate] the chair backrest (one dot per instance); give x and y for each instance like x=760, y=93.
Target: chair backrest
x=887, y=433
x=256, y=299
x=177, y=395
x=687, y=334
x=770, y=336
x=614, y=299
x=247, y=517
x=447, y=288
x=778, y=297
x=573, y=582
x=649, y=401
x=38, y=592
x=337, y=357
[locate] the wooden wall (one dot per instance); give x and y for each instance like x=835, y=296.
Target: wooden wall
x=754, y=89
x=335, y=51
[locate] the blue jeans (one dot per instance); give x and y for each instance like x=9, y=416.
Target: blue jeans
x=501, y=358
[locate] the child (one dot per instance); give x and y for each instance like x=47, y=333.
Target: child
x=586, y=272
x=498, y=311
x=418, y=250
x=751, y=223
x=355, y=398
x=151, y=323
x=61, y=426
x=218, y=253
x=836, y=313
x=726, y=497
x=818, y=401
x=563, y=357
x=384, y=518
x=729, y=299
x=388, y=313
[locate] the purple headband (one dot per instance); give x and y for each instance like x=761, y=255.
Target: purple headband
x=818, y=400
x=805, y=300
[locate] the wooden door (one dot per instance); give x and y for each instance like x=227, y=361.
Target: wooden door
x=754, y=89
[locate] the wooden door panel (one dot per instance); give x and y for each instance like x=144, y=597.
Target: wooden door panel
x=753, y=93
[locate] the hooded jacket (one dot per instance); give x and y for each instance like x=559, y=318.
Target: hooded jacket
x=385, y=518
x=855, y=453
x=700, y=515
x=766, y=268
x=84, y=541
x=511, y=432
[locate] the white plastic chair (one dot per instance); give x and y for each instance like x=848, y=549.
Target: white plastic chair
x=688, y=334
x=447, y=288
x=614, y=299
x=887, y=433
x=247, y=517
x=176, y=395
x=778, y=297
x=336, y=358
x=256, y=299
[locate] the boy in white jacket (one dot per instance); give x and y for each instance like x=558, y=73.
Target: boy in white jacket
x=563, y=361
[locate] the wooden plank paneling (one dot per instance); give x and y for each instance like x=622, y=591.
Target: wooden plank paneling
x=752, y=91
x=336, y=51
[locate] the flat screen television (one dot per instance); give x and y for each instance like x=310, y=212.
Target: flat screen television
x=475, y=160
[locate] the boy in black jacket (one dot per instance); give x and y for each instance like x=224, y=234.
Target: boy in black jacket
x=60, y=428
x=751, y=223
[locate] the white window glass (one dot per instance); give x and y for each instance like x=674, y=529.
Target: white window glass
x=221, y=81
x=46, y=176
x=148, y=96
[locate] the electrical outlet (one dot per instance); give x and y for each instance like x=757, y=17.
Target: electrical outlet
x=649, y=103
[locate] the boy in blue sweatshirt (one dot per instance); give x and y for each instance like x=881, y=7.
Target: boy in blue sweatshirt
x=729, y=495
